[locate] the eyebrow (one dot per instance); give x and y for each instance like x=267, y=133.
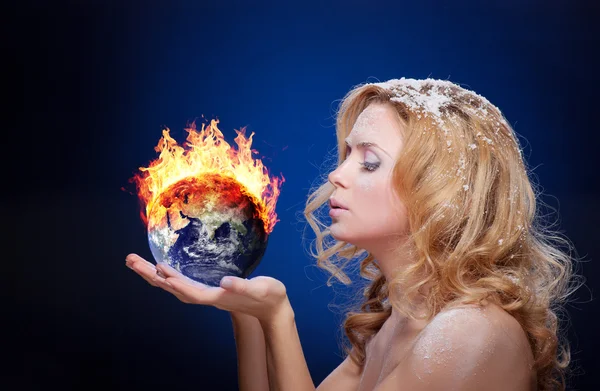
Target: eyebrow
x=364, y=144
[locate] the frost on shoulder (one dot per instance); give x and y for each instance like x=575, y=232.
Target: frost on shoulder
x=466, y=348
x=460, y=339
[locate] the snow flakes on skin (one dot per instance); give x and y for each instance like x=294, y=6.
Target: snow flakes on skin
x=450, y=335
x=365, y=182
x=363, y=126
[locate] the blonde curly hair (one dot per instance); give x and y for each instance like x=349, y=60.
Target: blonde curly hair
x=475, y=231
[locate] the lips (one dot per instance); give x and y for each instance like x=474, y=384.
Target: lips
x=335, y=204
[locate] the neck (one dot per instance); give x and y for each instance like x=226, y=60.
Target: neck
x=392, y=260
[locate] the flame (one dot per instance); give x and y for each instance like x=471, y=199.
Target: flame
x=207, y=152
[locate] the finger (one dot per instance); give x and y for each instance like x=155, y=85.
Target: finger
x=135, y=262
x=154, y=278
x=151, y=274
x=168, y=270
x=145, y=269
x=165, y=285
x=205, y=295
x=134, y=258
x=147, y=272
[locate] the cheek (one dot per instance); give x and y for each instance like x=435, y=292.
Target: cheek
x=398, y=216
x=374, y=186
x=384, y=207
x=366, y=183
x=373, y=193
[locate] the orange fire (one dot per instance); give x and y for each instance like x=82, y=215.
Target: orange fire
x=205, y=154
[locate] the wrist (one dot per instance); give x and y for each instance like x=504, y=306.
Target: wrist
x=281, y=316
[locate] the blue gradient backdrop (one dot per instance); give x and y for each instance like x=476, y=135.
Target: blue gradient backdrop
x=91, y=85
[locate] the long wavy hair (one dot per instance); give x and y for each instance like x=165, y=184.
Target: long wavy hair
x=475, y=229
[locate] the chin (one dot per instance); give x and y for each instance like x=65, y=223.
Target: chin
x=340, y=237
x=337, y=235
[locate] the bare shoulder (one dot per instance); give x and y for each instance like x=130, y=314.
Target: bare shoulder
x=470, y=348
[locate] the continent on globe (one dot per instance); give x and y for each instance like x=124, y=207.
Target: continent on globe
x=208, y=227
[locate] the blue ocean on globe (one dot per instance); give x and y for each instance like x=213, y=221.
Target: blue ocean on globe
x=206, y=258
x=220, y=235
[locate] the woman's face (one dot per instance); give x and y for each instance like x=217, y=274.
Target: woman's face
x=372, y=214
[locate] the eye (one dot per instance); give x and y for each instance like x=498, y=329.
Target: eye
x=368, y=166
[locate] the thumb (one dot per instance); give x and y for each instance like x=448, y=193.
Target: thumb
x=256, y=288
x=233, y=284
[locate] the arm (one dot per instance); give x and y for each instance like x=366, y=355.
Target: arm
x=251, y=353
x=285, y=360
x=345, y=377
x=262, y=297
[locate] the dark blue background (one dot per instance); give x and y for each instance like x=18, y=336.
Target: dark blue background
x=91, y=84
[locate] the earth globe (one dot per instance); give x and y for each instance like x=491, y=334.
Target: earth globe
x=208, y=207
x=207, y=227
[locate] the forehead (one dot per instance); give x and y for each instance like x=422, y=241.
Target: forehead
x=377, y=122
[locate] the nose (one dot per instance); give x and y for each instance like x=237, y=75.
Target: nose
x=335, y=177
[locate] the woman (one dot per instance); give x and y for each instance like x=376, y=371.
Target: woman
x=432, y=193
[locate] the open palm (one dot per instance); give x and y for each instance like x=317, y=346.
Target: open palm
x=262, y=297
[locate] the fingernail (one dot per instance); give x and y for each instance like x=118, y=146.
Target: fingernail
x=226, y=283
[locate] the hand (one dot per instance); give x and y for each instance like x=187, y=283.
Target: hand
x=262, y=297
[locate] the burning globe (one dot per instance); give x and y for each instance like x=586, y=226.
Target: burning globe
x=209, y=208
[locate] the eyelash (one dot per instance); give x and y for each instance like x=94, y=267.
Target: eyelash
x=367, y=166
